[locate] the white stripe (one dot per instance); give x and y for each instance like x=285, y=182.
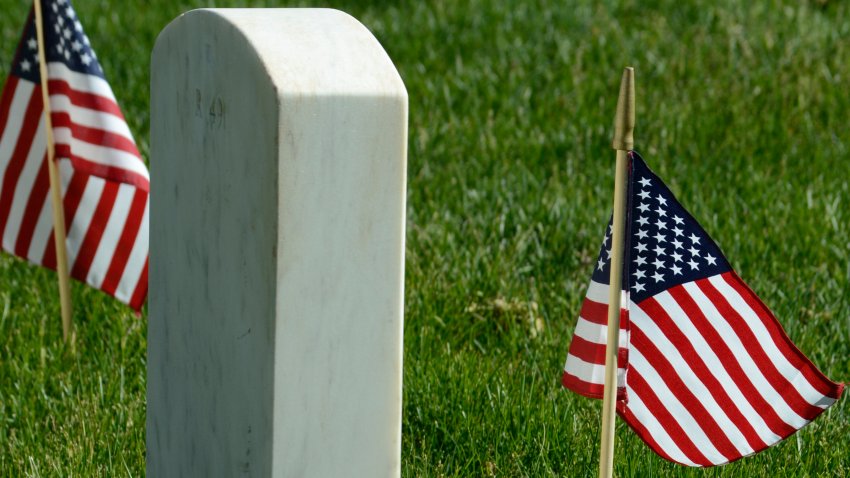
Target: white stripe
x=716, y=366
x=692, y=382
x=111, y=234
x=598, y=334
x=136, y=261
x=585, y=371
x=24, y=186
x=89, y=117
x=83, y=217
x=598, y=292
x=679, y=412
x=655, y=429
x=785, y=368
x=739, y=350
x=14, y=123
x=106, y=156
x=80, y=81
x=44, y=227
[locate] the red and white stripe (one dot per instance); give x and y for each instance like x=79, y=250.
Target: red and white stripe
x=712, y=377
x=584, y=371
x=105, y=183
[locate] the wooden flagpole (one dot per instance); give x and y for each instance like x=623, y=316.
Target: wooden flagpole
x=55, y=187
x=624, y=124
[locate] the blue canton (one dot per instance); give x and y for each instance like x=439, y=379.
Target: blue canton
x=665, y=246
x=64, y=39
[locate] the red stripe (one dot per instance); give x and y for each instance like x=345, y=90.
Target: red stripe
x=595, y=353
x=815, y=377
x=126, y=242
x=25, y=138
x=110, y=173
x=71, y=202
x=654, y=310
x=730, y=364
x=101, y=215
x=670, y=425
x=6, y=100
x=782, y=386
x=32, y=211
x=588, y=389
x=594, y=312
x=141, y=292
x=84, y=99
x=95, y=136
x=683, y=393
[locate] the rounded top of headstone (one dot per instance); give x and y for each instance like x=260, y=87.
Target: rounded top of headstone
x=304, y=50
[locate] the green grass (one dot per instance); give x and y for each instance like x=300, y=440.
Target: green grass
x=742, y=108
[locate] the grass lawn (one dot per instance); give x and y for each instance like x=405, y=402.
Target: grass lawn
x=742, y=108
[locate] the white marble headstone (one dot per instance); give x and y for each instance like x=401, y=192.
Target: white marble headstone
x=278, y=142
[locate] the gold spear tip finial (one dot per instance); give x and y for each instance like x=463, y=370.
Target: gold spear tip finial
x=624, y=122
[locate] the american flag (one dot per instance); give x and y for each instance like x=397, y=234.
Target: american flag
x=104, y=180
x=706, y=374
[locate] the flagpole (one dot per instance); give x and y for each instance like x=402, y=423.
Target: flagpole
x=624, y=124
x=55, y=187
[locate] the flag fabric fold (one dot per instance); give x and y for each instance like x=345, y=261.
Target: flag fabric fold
x=105, y=182
x=706, y=374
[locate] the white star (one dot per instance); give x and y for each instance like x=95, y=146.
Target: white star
x=694, y=265
x=641, y=247
x=85, y=37
x=658, y=277
x=643, y=207
x=76, y=45
x=57, y=28
x=711, y=259
x=86, y=59
x=644, y=182
x=659, y=251
x=640, y=260
x=694, y=238
x=601, y=264
x=694, y=251
x=69, y=12
x=67, y=54
x=661, y=212
x=643, y=194
x=678, y=219
x=676, y=256
x=659, y=264
x=677, y=231
x=78, y=26
x=642, y=234
x=60, y=20
x=643, y=221
x=26, y=65
x=32, y=44
x=660, y=237
x=66, y=33
x=640, y=274
x=59, y=48
x=660, y=224
x=661, y=200
x=677, y=243
x=609, y=253
x=638, y=287
x=676, y=270
x=55, y=7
